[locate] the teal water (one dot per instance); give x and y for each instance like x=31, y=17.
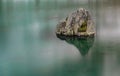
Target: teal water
x=29, y=46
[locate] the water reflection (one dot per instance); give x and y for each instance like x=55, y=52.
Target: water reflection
x=29, y=47
x=82, y=44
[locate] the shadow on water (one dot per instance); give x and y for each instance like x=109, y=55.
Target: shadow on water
x=82, y=44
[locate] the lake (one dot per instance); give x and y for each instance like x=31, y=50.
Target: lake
x=30, y=47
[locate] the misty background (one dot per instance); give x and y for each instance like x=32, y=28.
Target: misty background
x=29, y=46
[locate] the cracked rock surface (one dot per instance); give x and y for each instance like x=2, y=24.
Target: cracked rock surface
x=78, y=23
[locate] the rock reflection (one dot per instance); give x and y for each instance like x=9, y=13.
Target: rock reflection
x=82, y=44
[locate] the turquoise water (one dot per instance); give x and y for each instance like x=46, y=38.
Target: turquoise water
x=29, y=46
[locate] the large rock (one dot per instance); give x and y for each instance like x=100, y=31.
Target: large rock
x=78, y=23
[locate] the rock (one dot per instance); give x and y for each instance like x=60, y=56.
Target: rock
x=78, y=23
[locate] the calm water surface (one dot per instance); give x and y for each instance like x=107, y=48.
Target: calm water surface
x=29, y=46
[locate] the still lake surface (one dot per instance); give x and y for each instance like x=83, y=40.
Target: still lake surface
x=29, y=46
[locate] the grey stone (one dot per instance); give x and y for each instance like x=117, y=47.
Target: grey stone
x=78, y=23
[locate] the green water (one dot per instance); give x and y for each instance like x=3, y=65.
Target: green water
x=29, y=46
